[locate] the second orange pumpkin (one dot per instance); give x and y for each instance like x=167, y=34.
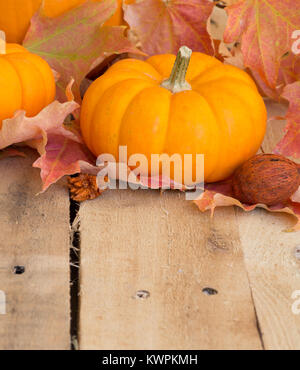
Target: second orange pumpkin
x=208, y=108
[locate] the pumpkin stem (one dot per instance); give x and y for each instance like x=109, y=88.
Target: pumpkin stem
x=2, y=42
x=176, y=82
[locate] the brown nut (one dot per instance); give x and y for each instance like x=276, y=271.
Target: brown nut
x=266, y=178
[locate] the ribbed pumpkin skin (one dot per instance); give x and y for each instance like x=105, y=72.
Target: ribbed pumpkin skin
x=54, y=8
x=26, y=82
x=222, y=117
x=15, y=15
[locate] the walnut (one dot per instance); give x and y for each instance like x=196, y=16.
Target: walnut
x=266, y=178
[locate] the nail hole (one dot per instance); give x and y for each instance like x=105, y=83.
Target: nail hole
x=209, y=291
x=19, y=270
x=142, y=294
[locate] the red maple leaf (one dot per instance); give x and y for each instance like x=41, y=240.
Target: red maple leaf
x=290, y=144
x=164, y=26
x=265, y=28
x=220, y=195
x=74, y=42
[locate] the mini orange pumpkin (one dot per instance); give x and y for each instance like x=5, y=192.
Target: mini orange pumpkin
x=15, y=15
x=207, y=108
x=26, y=82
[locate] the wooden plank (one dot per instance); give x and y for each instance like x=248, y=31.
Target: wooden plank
x=271, y=262
x=145, y=260
x=273, y=274
x=163, y=245
x=34, y=234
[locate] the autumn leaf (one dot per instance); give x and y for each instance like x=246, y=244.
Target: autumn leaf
x=265, y=28
x=289, y=72
x=60, y=145
x=289, y=69
x=264, y=89
x=74, y=42
x=220, y=195
x=63, y=156
x=164, y=26
x=290, y=144
x=22, y=129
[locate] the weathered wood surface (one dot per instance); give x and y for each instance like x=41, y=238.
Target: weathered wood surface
x=274, y=271
x=34, y=234
x=145, y=241
x=146, y=262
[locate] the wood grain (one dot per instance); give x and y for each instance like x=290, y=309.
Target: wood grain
x=135, y=241
x=146, y=242
x=274, y=271
x=34, y=234
x=274, y=274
